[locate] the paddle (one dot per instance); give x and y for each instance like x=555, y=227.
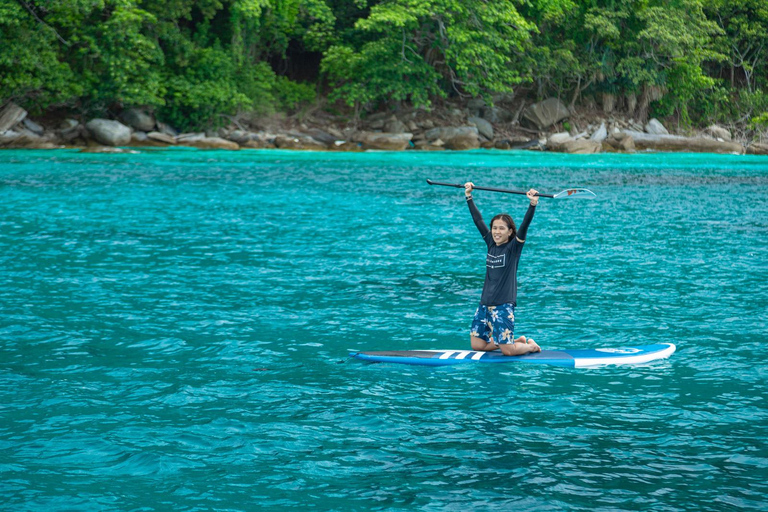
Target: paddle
x=581, y=193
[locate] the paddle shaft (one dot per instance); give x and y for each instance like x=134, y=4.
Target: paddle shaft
x=489, y=189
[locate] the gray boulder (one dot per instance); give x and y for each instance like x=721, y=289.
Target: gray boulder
x=497, y=115
x=167, y=129
x=559, y=138
x=208, y=143
x=33, y=126
x=462, y=137
x=546, y=113
x=475, y=104
x=70, y=130
x=576, y=146
x=686, y=144
x=10, y=116
x=600, y=134
x=718, y=132
x=384, y=141
x=322, y=136
x=395, y=126
x=138, y=120
x=484, y=127
x=109, y=133
x=619, y=141
x=298, y=141
x=757, y=148
x=161, y=137
x=654, y=127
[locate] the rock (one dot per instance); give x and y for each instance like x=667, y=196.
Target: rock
x=167, y=129
x=109, y=133
x=620, y=142
x=484, y=127
x=322, y=136
x=33, y=126
x=257, y=144
x=70, y=130
x=462, y=137
x=161, y=137
x=199, y=140
x=688, y=144
x=189, y=137
x=475, y=104
x=559, y=138
x=462, y=142
x=239, y=136
x=546, y=113
x=384, y=141
x=718, y=132
x=395, y=126
x=347, y=146
x=757, y=148
x=497, y=115
x=600, y=134
x=377, y=121
x=427, y=124
x=24, y=139
x=423, y=145
x=576, y=146
x=10, y=116
x=298, y=141
x=654, y=127
x=138, y=120
x=139, y=137
x=412, y=126
x=8, y=138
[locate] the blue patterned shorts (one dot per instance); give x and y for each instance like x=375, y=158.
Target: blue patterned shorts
x=494, y=324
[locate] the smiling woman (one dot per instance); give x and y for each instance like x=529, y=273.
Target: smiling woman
x=493, y=326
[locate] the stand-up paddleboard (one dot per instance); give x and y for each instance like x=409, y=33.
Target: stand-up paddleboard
x=570, y=358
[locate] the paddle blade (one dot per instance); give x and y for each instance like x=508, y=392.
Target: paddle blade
x=578, y=193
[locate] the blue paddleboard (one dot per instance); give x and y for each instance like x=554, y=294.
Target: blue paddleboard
x=570, y=358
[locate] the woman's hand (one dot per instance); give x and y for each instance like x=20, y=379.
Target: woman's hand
x=531, y=194
x=468, y=186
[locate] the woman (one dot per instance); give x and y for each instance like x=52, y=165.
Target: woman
x=494, y=323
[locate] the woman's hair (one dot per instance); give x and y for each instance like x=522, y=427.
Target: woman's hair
x=506, y=219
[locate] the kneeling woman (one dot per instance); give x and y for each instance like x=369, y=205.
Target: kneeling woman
x=494, y=323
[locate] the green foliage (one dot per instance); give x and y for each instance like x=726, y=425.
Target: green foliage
x=759, y=122
x=417, y=50
x=197, y=61
x=206, y=90
x=31, y=70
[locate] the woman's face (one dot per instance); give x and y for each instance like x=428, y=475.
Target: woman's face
x=500, y=232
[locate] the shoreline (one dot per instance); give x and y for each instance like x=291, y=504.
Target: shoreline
x=541, y=127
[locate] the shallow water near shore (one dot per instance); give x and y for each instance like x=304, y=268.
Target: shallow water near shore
x=175, y=328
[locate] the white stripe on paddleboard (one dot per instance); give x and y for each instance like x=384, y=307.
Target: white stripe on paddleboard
x=447, y=355
x=477, y=355
x=463, y=354
x=643, y=358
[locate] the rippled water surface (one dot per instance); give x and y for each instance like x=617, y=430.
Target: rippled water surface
x=175, y=329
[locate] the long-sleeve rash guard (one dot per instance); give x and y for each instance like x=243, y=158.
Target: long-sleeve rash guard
x=501, y=262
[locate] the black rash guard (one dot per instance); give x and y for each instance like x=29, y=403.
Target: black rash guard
x=501, y=262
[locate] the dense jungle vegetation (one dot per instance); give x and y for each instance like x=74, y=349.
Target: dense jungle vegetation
x=195, y=62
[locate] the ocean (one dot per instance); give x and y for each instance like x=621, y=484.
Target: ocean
x=176, y=324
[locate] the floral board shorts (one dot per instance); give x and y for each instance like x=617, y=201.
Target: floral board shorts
x=494, y=323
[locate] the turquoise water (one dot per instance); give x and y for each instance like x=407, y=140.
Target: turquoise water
x=175, y=328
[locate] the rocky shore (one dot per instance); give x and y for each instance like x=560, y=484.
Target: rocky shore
x=545, y=126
